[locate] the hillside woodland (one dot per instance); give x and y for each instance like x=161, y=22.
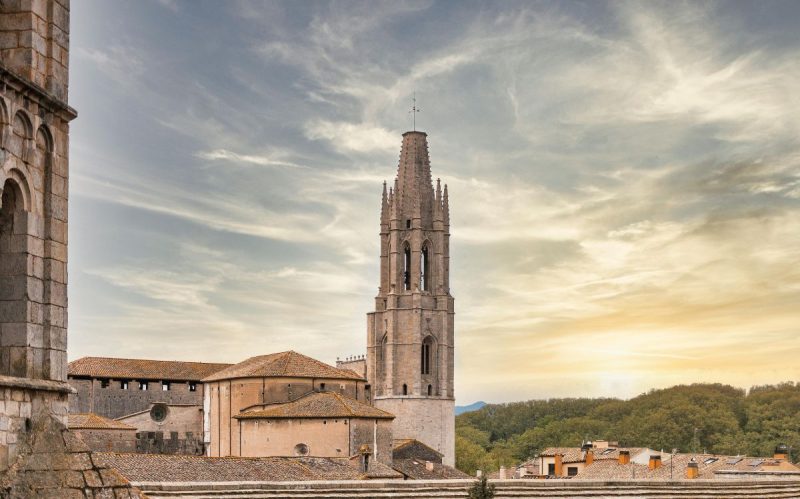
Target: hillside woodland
x=690, y=418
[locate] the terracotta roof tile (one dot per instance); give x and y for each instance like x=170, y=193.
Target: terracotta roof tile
x=176, y=468
x=416, y=469
x=707, y=464
x=318, y=405
x=284, y=364
x=173, y=370
x=90, y=421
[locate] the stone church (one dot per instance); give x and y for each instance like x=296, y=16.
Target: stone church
x=386, y=409
x=288, y=404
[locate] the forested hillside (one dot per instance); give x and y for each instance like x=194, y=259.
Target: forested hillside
x=715, y=417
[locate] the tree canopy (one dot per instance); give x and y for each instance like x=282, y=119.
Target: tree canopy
x=714, y=418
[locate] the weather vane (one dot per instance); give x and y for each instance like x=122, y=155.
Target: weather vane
x=414, y=111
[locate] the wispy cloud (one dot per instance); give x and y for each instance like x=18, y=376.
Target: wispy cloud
x=624, y=184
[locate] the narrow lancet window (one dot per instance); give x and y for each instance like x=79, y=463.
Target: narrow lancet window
x=424, y=277
x=427, y=353
x=407, y=268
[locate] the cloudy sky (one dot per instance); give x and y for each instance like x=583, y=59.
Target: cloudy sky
x=624, y=183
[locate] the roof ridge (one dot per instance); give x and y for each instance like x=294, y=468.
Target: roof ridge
x=149, y=360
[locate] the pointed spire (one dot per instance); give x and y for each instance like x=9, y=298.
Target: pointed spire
x=446, y=206
x=414, y=191
x=384, y=206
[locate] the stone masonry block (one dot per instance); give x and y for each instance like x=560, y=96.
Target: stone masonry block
x=8, y=40
x=58, y=231
x=17, y=21
x=59, y=207
x=14, y=264
x=13, y=287
x=58, y=316
x=58, y=294
x=57, y=251
x=56, y=270
x=14, y=334
x=20, y=360
x=13, y=311
x=58, y=338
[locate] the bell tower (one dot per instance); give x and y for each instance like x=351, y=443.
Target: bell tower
x=410, y=334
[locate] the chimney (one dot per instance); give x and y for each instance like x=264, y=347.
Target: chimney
x=692, y=470
x=624, y=457
x=655, y=462
x=781, y=452
x=428, y=465
x=502, y=472
x=478, y=473
x=589, y=458
x=559, y=466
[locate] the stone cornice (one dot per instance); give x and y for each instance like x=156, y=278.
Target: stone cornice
x=35, y=384
x=45, y=97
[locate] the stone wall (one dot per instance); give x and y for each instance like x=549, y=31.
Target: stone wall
x=114, y=402
x=159, y=442
x=279, y=437
x=377, y=433
x=40, y=458
x=229, y=397
x=180, y=432
x=108, y=439
x=431, y=421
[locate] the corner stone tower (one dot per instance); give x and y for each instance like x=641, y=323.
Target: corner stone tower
x=410, y=333
x=34, y=128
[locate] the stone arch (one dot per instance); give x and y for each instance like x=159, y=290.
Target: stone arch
x=20, y=135
x=406, y=266
x=44, y=139
x=426, y=266
x=14, y=202
x=18, y=182
x=4, y=123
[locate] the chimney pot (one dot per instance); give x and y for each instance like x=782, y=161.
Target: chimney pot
x=502, y=472
x=655, y=462
x=624, y=457
x=781, y=452
x=428, y=465
x=692, y=471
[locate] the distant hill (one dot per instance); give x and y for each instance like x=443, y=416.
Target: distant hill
x=461, y=409
x=712, y=417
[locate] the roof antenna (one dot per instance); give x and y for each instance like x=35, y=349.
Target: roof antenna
x=414, y=111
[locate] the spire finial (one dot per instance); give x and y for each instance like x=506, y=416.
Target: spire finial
x=414, y=111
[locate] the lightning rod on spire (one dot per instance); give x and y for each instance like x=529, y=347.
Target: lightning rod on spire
x=414, y=111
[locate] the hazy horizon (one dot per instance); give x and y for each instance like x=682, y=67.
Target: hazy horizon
x=624, y=184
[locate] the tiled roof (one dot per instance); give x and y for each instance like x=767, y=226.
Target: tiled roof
x=707, y=465
x=173, y=370
x=418, y=470
x=576, y=454
x=410, y=448
x=176, y=468
x=284, y=364
x=90, y=421
x=570, y=454
x=318, y=405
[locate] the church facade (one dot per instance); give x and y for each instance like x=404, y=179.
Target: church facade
x=410, y=335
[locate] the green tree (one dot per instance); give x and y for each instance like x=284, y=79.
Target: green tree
x=481, y=489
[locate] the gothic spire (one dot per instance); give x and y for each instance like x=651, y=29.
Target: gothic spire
x=414, y=195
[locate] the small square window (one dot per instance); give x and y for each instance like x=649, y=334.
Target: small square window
x=408, y=224
x=103, y=383
x=123, y=385
x=192, y=387
x=165, y=386
x=322, y=387
x=143, y=386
